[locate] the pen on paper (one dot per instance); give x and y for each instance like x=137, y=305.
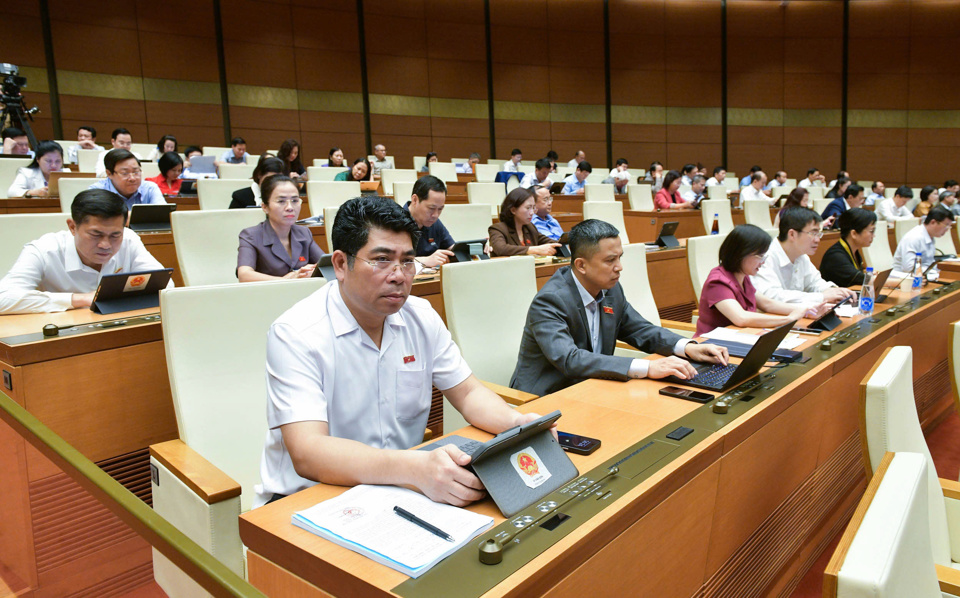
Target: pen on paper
x=420, y=522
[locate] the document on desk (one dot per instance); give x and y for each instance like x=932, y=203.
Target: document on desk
x=791, y=341
x=362, y=520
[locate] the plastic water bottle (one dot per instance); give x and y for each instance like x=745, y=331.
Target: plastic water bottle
x=715, y=229
x=867, y=294
x=917, y=272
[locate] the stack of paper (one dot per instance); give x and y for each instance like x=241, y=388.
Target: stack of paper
x=362, y=519
x=791, y=341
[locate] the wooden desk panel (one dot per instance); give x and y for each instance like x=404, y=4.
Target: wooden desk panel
x=32, y=205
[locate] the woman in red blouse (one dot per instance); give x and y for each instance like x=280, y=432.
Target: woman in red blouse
x=668, y=198
x=171, y=167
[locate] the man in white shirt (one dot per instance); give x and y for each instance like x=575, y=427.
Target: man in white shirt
x=237, y=154
x=755, y=189
x=788, y=275
x=540, y=177
x=621, y=166
x=876, y=194
x=350, y=368
x=779, y=180
x=686, y=174
x=814, y=178
x=470, y=166
x=719, y=173
x=695, y=194
x=86, y=139
x=922, y=240
x=512, y=165
x=577, y=159
x=380, y=160
x=61, y=271
x=654, y=176
x=895, y=208
x=119, y=139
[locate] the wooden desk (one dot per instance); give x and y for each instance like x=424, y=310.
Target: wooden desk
x=108, y=395
x=744, y=512
x=32, y=205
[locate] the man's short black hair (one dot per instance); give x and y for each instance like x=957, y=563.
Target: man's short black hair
x=426, y=184
x=904, y=191
x=718, y=170
x=99, y=203
x=585, y=166
x=852, y=191
x=516, y=151
x=586, y=236
x=873, y=186
x=12, y=132
x=796, y=219
x=542, y=163
x=118, y=132
x=813, y=171
x=552, y=155
x=190, y=149
x=355, y=218
x=938, y=214
x=622, y=162
x=744, y=240
x=168, y=161
x=950, y=183
x=688, y=168
x=237, y=141
x=855, y=219
x=115, y=156
x=93, y=132
x=755, y=168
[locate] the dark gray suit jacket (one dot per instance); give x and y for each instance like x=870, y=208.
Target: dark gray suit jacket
x=556, y=352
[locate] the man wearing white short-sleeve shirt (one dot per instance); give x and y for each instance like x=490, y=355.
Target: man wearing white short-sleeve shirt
x=350, y=368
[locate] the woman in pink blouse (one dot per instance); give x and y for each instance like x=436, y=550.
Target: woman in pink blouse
x=668, y=198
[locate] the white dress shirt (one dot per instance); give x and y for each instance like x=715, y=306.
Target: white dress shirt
x=790, y=282
x=321, y=366
x=573, y=163
x=71, y=155
x=49, y=271
x=509, y=166
x=917, y=240
x=887, y=210
x=806, y=184
x=530, y=180
x=102, y=168
x=751, y=192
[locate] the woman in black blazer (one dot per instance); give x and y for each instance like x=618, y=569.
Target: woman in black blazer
x=843, y=263
x=249, y=197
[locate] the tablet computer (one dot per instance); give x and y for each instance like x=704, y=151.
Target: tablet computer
x=127, y=291
x=463, y=251
x=324, y=268
x=151, y=217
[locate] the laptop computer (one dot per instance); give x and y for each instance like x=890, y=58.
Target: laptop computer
x=464, y=251
x=150, y=218
x=324, y=268
x=127, y=291
x=721, y=377
x=518, y=467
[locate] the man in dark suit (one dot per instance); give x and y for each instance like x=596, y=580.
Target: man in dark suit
x=852, y=198
x=576, y=319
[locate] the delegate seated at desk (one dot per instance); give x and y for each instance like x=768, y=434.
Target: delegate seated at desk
x=250, y=196
x=125, y=179
x=33, y=179
x=575, y=184
x=843, y=263
x=349, y=371
x=667, y=197
x=425, y=206
x=852, y=198
x=894, y=208
x=515, y=234
x=577, y=317
x=920, y=240
x=540, y=177
x=277, y=247
x=61, y=270
x=788, y=275
x=545, y=223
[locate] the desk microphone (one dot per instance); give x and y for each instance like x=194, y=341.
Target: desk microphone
x=51, y=330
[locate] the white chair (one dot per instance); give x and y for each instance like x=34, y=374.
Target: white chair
x=16, y=230
x=703, y=255
x=69, y=189
x=636, y=173
x=329, y=216
x=321, y=162
x=320, y=173
x=635, y=281
x=402, y=191
x=731, y=183
x=391, y=175
x=945, y=243
x=486, y=173
x=207, y=242
x=216, y=381
x=216, y=194
x=683, y=189
x=867, y=185
x=902, y=227
x=87, y=159
x=773, y=232
x=143, y=149
x=816, y=192
x=491, y=194
x=608, y=211
x=563, y=172
x=473, y=297
x=886, y=550
x=149, y=169
x=598, y=192
x=596, y=177
x=889, y=192
x=8, y=171
x=640, y=197
x=717, y=192
x=330, y=194
x=782, y=191
x=889, y=423
x=236, y=171
x=720, y=208
x=419, y=162
x=757, y=213
x=819, y=205
x=212, y=150
x=790, y=184
x=466, y=222
x=878, y=256
x=445, y=171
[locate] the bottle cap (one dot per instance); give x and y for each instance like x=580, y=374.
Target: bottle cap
x=869, y=270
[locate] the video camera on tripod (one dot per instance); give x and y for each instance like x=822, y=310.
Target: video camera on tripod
x=11, y=98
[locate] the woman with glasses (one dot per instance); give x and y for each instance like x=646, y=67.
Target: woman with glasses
x=33, y=180
x=277, y=247
x=728, y=296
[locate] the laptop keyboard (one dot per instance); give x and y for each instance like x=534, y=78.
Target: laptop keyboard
x=715, y=375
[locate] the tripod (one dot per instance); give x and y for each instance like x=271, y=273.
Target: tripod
x=15, y=109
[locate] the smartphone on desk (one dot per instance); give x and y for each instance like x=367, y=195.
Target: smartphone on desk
x=686, y=394
x=580, y=445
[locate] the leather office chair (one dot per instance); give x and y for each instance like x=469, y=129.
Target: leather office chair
x=87, y=159
x=391, y=175
x=8, y=171
x=207, y=241
x=16, y=230
x=486, y=173
x=402, y=192
x=885, y=551
x=703, y=255
x=212, y=150
x=720, y=207
x=214, y=343
x=329, y=194
x=69, y=188
x=466, y=222
x=640, y=197
x=491, y=194
x=473, y=299
x=216, y=194
x=757, y=213
x=889, y=423
x=608, y=211
x=902, y=227
x=236, y=171
x=445, y=171
x=324, y=173
x=599, y=192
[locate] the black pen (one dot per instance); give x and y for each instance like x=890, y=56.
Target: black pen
x=416, y=520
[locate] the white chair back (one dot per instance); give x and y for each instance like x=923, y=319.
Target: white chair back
x=216, y=194
x=445, y=171
x=878, y=256
x=391, y=175
x=466, y=222
x=889, y=192
x=324, y=173
x=720, y=208
x=902, y=227
x=8, y=171
x=207, y=243
x=320, y=162
x=867, y=186
x=212, y=150
x=564, y=171
x=16, y=230
x=402, y=191
x=703, y=255
x=69, y=189
x=486, y=173
x=236, y=171
x=329, y=216
x=150, y=169
x=640, y=197
x=717, y=192
x=87, y=159
x=330, y=194
x=816, y=192
x=491, y=194
x=608, y=211
x=778, y=192
x=419, y=162
x=945, y=243
x=757, y=213
x=596, y=177
x=143, y=149
x=598, y=192
x=635, y=281
x=819, y=205
x=731, y=182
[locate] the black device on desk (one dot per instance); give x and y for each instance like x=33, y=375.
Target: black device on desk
x=829, y=320
x=151, y=217
x=686, y=394
x=325, y=268
x=557, y=188
x=666, y=238
x=188, y=187
x=721, y=377
x=464, y=251
x=581, y=445
x=127, y=291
